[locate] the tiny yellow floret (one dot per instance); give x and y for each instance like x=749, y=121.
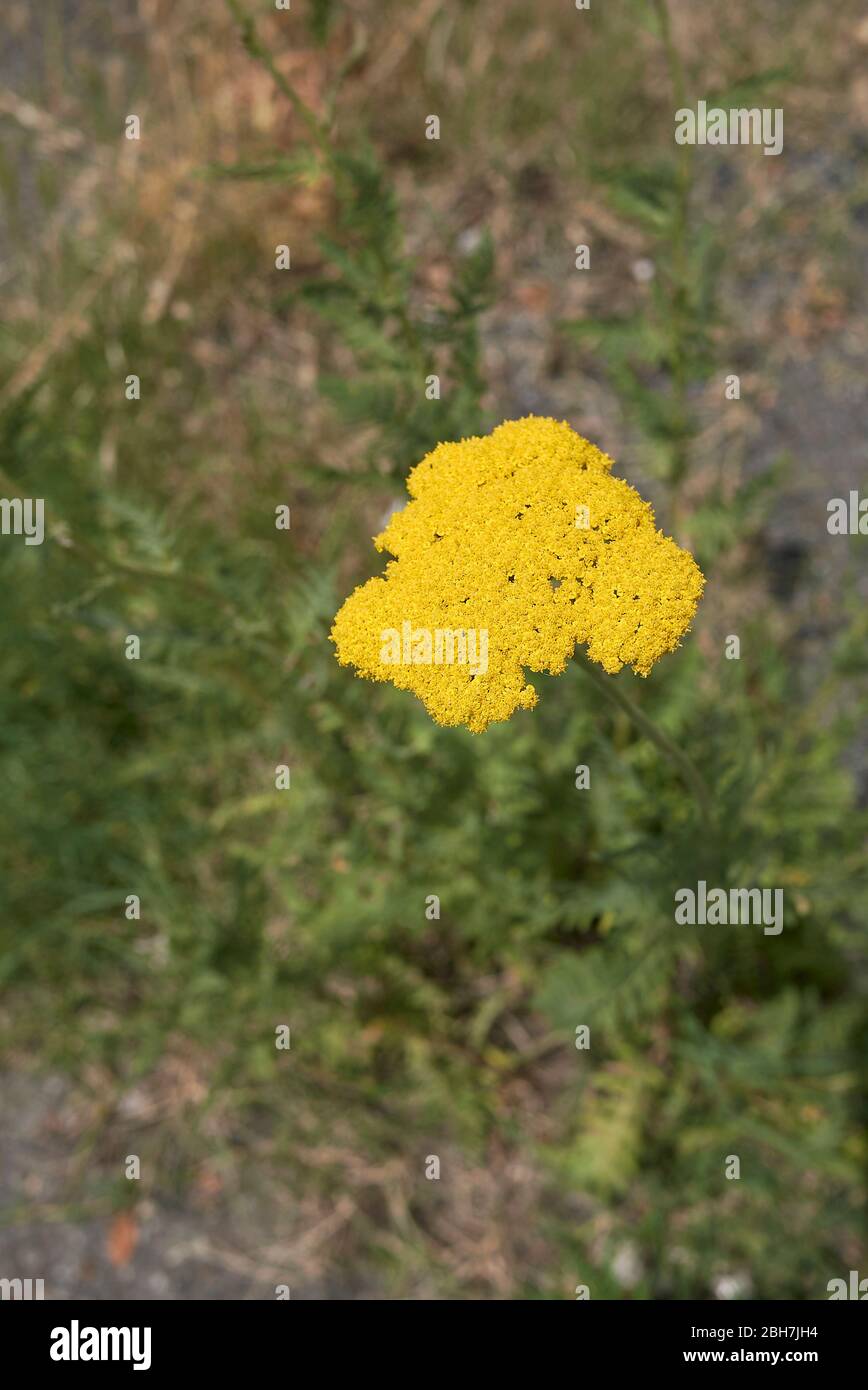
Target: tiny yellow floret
x=514, y=548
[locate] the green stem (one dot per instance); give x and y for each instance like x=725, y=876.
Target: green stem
x=679, y=352
x=318, y=130
x=258, y=50
x=688, y=770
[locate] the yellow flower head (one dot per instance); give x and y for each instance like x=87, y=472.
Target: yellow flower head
x=513, y=548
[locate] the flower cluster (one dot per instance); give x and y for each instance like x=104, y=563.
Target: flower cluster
x=523, y=535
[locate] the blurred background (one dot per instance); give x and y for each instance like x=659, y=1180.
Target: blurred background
x=149, y=1030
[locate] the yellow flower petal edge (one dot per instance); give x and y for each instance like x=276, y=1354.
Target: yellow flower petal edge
x=515, y=547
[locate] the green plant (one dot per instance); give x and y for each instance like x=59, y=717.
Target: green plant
x=412, y=1033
